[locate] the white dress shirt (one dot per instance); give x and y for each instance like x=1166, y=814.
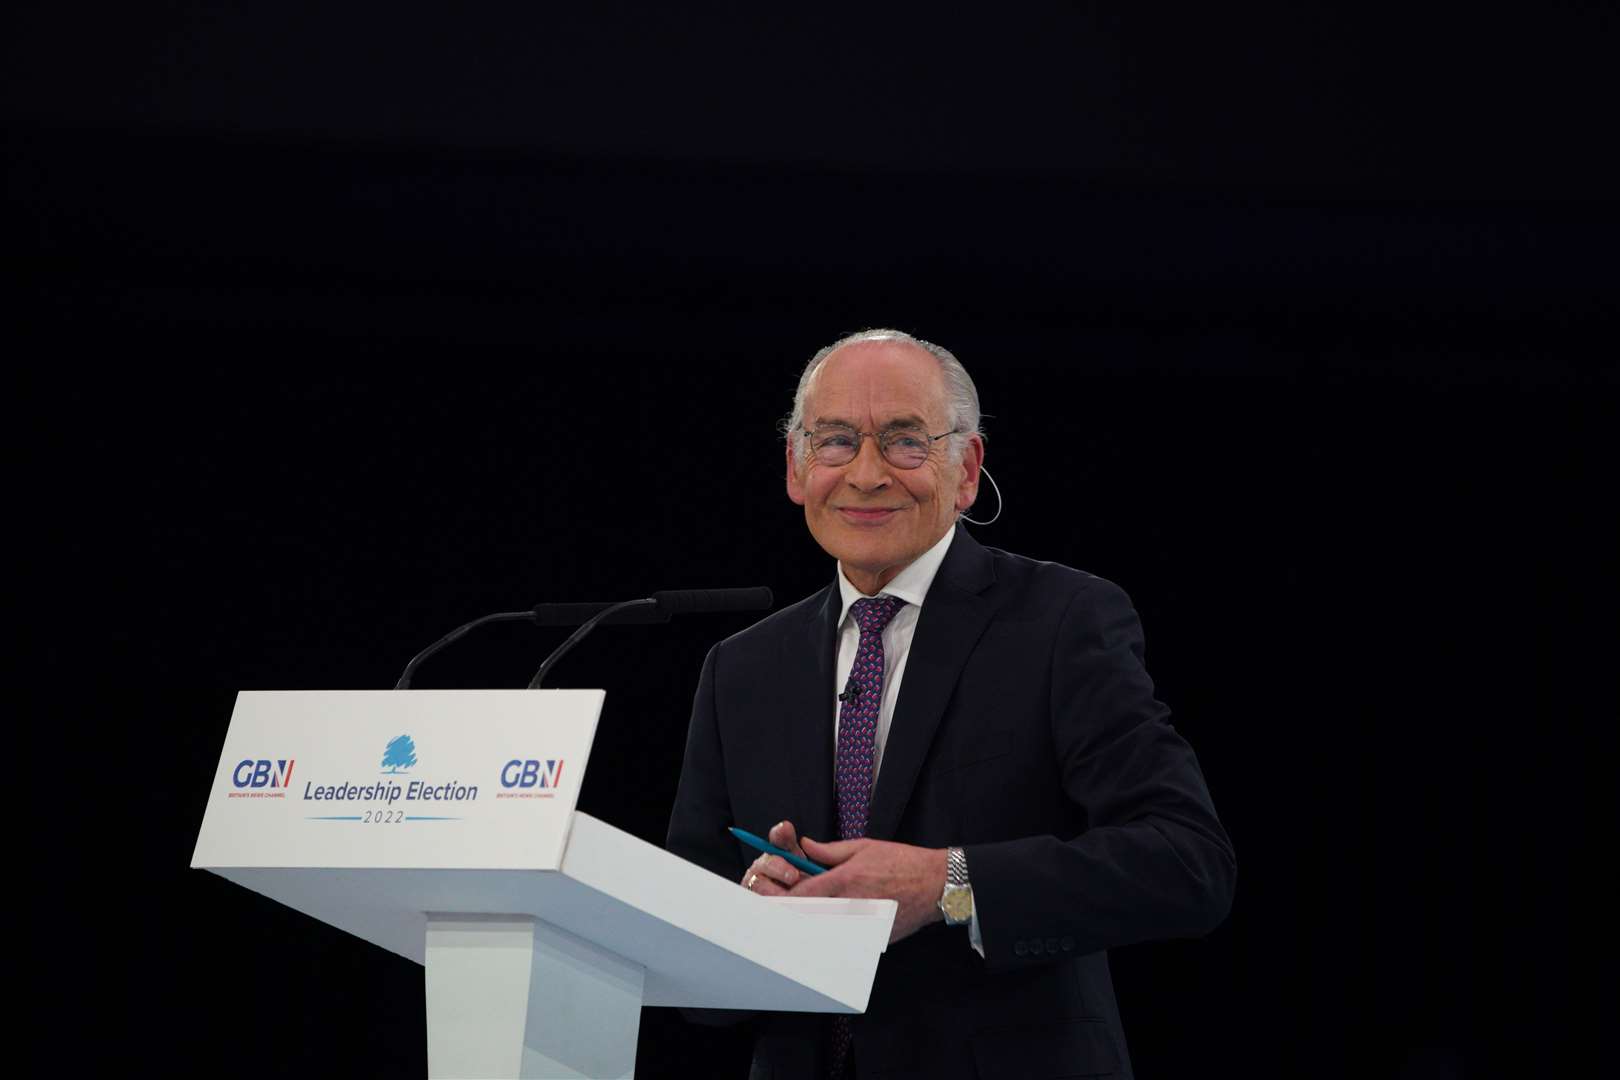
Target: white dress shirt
x=910, y=585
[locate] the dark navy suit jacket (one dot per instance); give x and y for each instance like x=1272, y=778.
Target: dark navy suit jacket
x=1026, y=732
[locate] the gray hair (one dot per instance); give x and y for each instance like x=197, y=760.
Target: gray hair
x=961, y=396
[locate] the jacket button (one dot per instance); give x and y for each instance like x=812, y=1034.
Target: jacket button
x=1035, y=947
x=1068, y=944
x=1021, y=949
x=1051, y=945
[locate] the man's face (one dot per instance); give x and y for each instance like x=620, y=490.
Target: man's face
x=871, y=516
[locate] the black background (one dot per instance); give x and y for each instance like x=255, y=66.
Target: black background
x=341, y=327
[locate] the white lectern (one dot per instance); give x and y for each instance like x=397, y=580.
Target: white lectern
x=441, y=826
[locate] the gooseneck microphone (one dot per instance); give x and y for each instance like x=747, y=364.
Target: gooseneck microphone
x=654, y=609
x=453, y=636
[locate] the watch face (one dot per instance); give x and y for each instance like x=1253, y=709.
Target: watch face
x=958, y=904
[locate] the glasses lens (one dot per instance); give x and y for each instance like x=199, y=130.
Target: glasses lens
x=834, y=446
x=905, y=449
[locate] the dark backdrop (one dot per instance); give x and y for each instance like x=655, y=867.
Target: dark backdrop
x=339, y=328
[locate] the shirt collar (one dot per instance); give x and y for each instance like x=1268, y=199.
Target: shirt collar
x=910, y=584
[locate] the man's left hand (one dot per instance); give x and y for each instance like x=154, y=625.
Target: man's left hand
x=877, y=869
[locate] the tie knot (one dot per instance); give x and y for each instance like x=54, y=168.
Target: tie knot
x=872, y=613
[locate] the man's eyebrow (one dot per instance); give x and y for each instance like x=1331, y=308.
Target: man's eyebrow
x=888, y=425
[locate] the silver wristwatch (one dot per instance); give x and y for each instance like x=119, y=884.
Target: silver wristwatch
x=957, y=899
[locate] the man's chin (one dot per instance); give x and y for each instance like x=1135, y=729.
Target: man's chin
x=873, y=562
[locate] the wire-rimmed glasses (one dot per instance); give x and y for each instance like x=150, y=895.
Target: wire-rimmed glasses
x=903, y=446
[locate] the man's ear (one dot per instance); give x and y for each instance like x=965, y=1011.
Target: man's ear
x=972, y=460
x=795, y=488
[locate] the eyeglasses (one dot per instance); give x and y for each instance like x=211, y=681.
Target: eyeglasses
x=902, y=447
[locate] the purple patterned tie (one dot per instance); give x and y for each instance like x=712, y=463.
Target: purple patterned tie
x=857, y=745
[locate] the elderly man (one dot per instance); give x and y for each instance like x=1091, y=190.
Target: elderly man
x=968, y=732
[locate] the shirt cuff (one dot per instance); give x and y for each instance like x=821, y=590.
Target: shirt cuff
x=973, y=933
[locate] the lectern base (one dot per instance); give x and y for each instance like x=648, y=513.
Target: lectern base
x=513, y=996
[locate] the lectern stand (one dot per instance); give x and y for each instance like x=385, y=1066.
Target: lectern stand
x=440, y=825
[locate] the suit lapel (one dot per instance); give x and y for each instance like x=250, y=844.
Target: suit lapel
x=953, y=617
x=807, y=662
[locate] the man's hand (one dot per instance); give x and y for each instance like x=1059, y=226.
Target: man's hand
x=877, y=869
x=772, y=875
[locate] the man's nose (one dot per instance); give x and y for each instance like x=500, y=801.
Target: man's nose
x=869, y=471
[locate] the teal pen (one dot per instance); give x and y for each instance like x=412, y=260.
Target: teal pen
x=771, y=849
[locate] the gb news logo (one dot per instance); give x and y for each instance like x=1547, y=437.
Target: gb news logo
x=262, y=778
x=533, y=778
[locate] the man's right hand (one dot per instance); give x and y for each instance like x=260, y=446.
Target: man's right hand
x=772, y=875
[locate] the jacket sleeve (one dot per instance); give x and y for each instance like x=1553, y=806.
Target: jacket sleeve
x=702, y=812
x=1152, y=860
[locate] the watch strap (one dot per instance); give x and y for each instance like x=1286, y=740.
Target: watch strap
x=956, y=872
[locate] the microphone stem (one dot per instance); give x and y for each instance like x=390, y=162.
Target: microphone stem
x=455, y=635
x=577, y=635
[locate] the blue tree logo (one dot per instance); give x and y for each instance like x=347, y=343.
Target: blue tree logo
x=400, y=754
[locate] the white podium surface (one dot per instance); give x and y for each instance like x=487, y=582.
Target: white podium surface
x=543, y=929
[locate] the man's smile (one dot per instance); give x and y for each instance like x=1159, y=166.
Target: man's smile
x=868, y=515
